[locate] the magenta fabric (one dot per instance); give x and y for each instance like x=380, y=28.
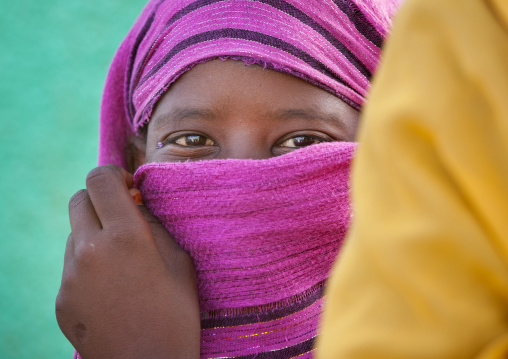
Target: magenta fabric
x=263, y=235
x=333, y=44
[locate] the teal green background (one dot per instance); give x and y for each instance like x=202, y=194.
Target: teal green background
x=53, y=62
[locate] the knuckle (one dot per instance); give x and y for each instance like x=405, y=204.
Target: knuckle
x=87, y=254
x=77, y=199
x=63, y=298
x=122, y=235
x=60, y=305
x=99, y=175
x=63, y=312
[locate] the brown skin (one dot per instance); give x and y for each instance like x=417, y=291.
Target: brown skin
x=225, y=109
x=128, y=290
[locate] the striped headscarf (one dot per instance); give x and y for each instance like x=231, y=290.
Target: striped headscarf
x=333, y=44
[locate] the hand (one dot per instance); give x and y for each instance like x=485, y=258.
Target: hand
x=128, y=290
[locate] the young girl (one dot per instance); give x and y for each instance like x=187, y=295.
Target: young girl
x=241, y=84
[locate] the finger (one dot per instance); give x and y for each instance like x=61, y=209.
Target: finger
x=165, y=244
x=108, y=187
x=82, y=214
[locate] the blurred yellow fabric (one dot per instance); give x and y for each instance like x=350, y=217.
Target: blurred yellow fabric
x=424, y=273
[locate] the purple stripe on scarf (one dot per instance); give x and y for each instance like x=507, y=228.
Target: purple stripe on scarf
x=181, y=13
x=360, y=22
x=131, y=110
x=298, y=14
x=284, y=7
x=261, y=63
x=265, y=337
x=307, y=20
x=258, y=317
x=286, y=353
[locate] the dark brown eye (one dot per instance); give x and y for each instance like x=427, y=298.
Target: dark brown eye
x=302, y=141
x=194, y=140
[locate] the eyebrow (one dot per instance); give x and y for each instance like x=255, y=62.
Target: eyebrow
x=181, y=114
x=309, y=114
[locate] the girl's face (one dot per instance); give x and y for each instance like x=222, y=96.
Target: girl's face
x=225, y=109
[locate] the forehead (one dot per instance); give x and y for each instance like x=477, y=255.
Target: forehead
x=219, y=85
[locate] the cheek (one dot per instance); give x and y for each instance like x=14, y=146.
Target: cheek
x=153, y=155
x=150, y=156
x=353, y=129
x=176, y=153
x=152, y=150
x=135, y=152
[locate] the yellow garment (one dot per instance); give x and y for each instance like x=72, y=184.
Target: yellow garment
x=425, y=270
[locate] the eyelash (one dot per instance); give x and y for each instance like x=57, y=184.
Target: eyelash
x=174, y=140
x=316, y=139
x=209, y=142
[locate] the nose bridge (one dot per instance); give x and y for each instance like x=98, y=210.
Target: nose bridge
x=246, y=142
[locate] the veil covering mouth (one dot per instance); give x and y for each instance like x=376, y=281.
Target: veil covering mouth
x=263, y=234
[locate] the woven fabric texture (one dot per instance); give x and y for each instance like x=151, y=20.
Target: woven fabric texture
x=263, y=235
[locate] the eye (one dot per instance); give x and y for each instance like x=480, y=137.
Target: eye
x=295, y=140
x=302, y=141
x=193, y=140
x=186, y=146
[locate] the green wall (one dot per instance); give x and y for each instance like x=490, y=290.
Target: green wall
x=54, y=59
